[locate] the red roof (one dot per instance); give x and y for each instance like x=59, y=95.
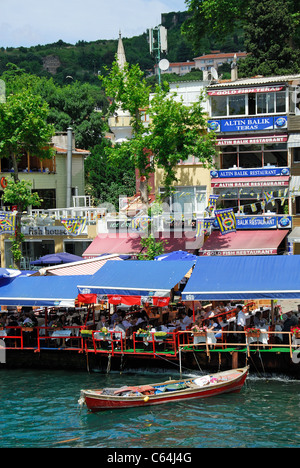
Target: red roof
x=221, y=55
x=74, y=150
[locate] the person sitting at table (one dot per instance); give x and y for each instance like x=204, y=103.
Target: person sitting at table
x=126, y=323
x=258, y=321
x=215, y=326
x=185, y=321
x=103, y=323
x=290, y=322
x=119, y=327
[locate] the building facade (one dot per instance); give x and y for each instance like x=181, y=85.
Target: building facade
x=46, y=229
x=255, y=122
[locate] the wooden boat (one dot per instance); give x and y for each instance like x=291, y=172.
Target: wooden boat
x=164, y=392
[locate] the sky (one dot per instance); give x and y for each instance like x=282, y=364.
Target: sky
x=31, y=22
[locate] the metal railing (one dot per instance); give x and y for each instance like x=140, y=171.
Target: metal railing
x=151, y=343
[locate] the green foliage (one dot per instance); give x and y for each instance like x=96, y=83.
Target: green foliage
x=174, y=133
x=19, y=194
x=153, y=248
x=269, y=34
x=271, y=30
x=107, y=179
x=127, y=88
x=73, y=105
x=23, y=127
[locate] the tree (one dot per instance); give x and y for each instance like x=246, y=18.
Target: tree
x=218, y=17
x=271, y=30
x=23, y=128
x=152, y=246
x=127, y=88
x=269, y=34
x=174, y=133
x=106, y=180
x=70, y=105
x=18, y=193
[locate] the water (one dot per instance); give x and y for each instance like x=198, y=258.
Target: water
x=40, y=409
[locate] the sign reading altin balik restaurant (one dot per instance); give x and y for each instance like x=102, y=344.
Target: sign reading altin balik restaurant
x=255, y=177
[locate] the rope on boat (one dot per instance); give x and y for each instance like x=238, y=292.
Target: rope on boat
x=197, y=361
x=262, y=364
x=108, y=364
x=174, y=363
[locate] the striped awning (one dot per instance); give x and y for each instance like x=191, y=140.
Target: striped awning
x=84, y=267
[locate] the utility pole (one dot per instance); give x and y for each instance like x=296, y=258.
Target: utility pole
x=158, y=44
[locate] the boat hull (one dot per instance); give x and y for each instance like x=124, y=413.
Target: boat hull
x=229, y=381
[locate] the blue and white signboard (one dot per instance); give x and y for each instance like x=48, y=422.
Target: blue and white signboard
x=268, y=171
x=246, y=124
x=259, y=222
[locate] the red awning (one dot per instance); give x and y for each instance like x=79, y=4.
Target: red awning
x=111, y=243
x=137, y=300
x=130, y=244
x=263, y=242
x=250, y=182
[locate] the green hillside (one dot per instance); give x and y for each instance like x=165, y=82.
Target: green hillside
x=84, y=60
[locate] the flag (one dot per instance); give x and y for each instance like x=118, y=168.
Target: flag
x=211, y=203
x=74, y=226
x=268, y=196
x=140, y=223
x=226, y=220
x=7, y=222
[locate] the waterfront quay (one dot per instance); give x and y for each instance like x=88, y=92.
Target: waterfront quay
x=161, y=343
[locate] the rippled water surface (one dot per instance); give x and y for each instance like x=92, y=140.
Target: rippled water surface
x=40, y=409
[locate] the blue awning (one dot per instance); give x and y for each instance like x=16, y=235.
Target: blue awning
x=136, y=278
x=177, y=255
x=41, y=291
x=240, y=277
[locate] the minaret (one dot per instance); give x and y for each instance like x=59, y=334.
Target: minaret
x=121, y=57
x=120, y=122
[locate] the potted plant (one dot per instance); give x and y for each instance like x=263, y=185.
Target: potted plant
x=198, y=331
x=86, y=333
x=253, y=332
x=296, y=332
x=142, y=333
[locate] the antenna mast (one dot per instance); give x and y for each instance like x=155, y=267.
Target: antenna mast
x=158, y=43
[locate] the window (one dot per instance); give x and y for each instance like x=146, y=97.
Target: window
x=296, y=155
x=249, y=156
x=236, y=105
x=248, y=200
x=187, y=200
x=49, y=198
x=219, y=106
x=248, y=104
x=76, y=247
x=31, y=250
x=265, y=103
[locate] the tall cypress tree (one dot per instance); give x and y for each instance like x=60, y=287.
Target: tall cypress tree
x=270, y=35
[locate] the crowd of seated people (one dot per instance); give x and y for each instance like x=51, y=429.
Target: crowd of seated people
x=215, y=318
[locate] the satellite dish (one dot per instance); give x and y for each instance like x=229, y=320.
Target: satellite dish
x=164, y=64
x=214, y=73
